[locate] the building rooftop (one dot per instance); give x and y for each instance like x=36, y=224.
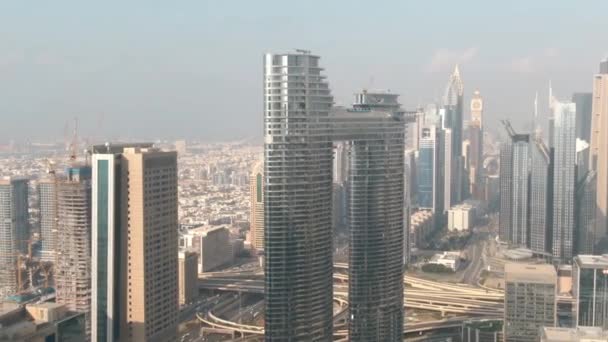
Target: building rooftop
x=530, y=273
x=553, y=334
x=592, y=261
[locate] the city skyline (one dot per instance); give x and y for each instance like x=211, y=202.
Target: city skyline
x=128, y=76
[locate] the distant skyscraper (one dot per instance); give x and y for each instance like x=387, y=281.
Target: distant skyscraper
x=427, y=175
x=590, y=290
x=521, y=174
x=47, y=203
x=541, y=187
x=586, y=237
x=530, y=300
x=564, y=178
x=446, y=161
x=506, y=190
x=599, y=146
x=73, y=242
x=604, y=66
x=14, y=230
x=453, y=119
x=514, y=187
x=297, y=199
x=583, y=103
x=475, y=136
x=135, y=283
x=256, y=193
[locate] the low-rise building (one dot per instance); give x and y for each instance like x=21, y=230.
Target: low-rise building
x=461, y=217
x=421, y=226
x=530, y=300
x=212, y=243
x=188, y=277
x=580, y=334
x=450, y=260
x=40, y=322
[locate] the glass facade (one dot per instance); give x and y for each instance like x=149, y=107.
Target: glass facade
x=102, y=249
x=590, y=290
x=425, y=177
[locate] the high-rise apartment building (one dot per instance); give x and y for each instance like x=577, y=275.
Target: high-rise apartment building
x=564, y=178
x=256, y=214
x=135, y=247
x=14, y=230
x=297, y=199
x=541, y=188
x=299, y=136
x=590, y=290
x=376, y=221
x=73, y=242
x=188, y=277
x=47, y=202
x=530, y=300
x=599, y=146
x=446, y=160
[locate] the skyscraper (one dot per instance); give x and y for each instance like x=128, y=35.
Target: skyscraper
x=530, y=300
x=521, y=174
x=256, y=193
x=453, y=119
x=590, y=290
x=564, y=178
x=586, y=237
x=299, y=134
x=297, y=199
x=514, y=187
x=583, y=103
x=506, y=189
x=73, y=242
x=475, y=136
x=599, y=146
x=48, y=208
x=541, y=188
x=376, y=221
x=427, y=175
x=14, y=230
x=135, y=283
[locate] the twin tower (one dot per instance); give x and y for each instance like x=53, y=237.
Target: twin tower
x=300, y=127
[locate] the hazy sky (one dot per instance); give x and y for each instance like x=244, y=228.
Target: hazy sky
x=192, y=69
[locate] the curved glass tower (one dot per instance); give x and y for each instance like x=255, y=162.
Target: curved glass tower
x=297, y=199
x=376, y=222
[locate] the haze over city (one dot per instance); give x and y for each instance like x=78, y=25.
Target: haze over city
x=190, y=69
x=314, y=171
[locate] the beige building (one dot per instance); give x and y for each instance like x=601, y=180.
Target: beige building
x=151, y=302
x=135, y=249
x=212, y=243
x=256, y=226
x=188, y=277
x=599, y=148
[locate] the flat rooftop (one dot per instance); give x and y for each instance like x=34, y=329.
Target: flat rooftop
x=592, y=261
x=530, y=273
x=574, y=334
